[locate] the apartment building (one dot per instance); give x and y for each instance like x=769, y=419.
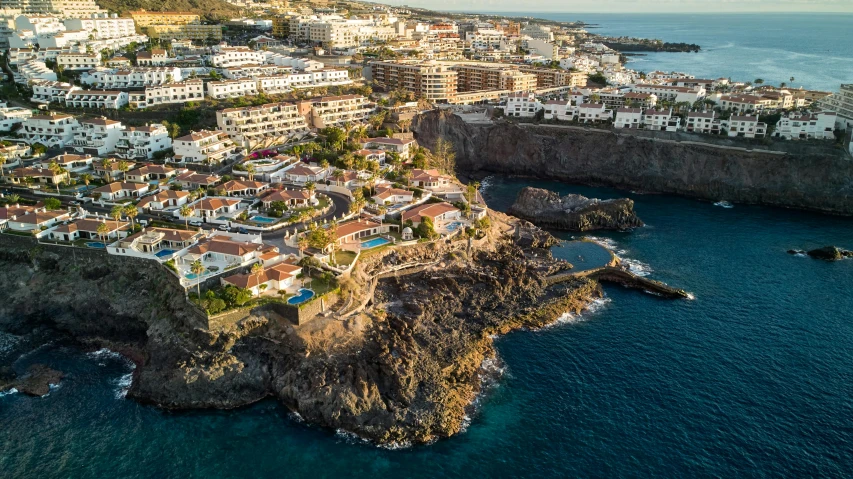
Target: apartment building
x=46, y=91
x=337, y=110
x=52, y=130
x=132, y=77
x=78, y=61
x=522, y=104
x=741, y=104
x=795, y=126
x=232, y=88
x=272, y=123
x=553, y=77
x=703, y=122
x=593, y=112
x=12, y=116
x=429, y=80
x=144, y=19
x=106, y=99
x=141, y=142
x=97, y=136
x=62, y=8
x=660, y=120
x=236, y=56
x=157, y=57
x=559, y=110
x=473, y=77
x=631, y=118
x=255, y=71
x=745, y=126
x=676, y=94
x=185, y=32
x=841, y=103
x=178, y=92
x=34, y=70
x=205, y=147
x=103, y=26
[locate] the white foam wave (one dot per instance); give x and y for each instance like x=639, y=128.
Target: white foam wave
x=724, y=204
x=8, y=393
x=691, y=296
x=486, y=182
x=104, y=353
x=571, y=318
x=51, y=387
x=123, y=384
x=637, y=267
x=296, y=417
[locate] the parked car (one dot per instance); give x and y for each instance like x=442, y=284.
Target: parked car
x=242, y=230
x=224, y=228
x=195, y=223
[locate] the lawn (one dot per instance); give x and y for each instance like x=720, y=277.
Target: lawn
x=344, y=258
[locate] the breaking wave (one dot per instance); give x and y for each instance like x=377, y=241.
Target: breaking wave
x=724, y=204
x=635, y=266
x=8, y=393
x=571, y=318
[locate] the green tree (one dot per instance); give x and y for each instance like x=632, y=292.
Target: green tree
x=197, y=269
x=52, y=204
x=86, y=178
x=186, y=212
x=103, y=231
x=131, y=212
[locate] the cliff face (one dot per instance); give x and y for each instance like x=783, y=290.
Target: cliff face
x=573, y=212
x=808, y=177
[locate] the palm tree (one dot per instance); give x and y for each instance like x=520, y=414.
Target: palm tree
x=310, y=186
x=302, y=244
x=130, y=211
x=103, y=230
x=116, y=212
x=197, y=269
x=13, y=199
x=404, y=125
x=86, y=178
x=186, y=212
x=54, y=167
x=256, y=271
x=2, y=162
x=123, y=166
x=250, y=170
x=324, y=164
x=105, y=163
x=407, y=174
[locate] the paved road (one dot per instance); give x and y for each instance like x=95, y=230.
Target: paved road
x=340, y=207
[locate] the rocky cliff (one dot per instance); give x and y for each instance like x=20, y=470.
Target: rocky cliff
x=573, y=212
x=403, y=370
x=805, y=176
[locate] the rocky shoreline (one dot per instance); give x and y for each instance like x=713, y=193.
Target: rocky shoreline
x=404, y=370
x=574, y=212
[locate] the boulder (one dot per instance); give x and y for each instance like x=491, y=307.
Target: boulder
x=830, y=253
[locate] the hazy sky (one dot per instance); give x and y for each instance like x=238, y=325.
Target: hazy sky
x=623, y=6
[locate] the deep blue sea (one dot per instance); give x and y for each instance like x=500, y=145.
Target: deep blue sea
x=813, y=48
x=752, y=378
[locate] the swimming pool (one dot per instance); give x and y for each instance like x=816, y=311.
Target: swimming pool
x=164, y=252
x=95, y=244
x=304, y=295
x=454, y=226
x=374, y=243
x=263, y=219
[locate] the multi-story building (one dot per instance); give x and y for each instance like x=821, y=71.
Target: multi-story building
x=428, y=80
x=703, y=122
x=473, y=77
x=111, y=100
x=842, y=104
x=61, y=8
x=236, y=56
x=52, y=130
x=97, y=136
x=185, y=32
x=34, y=70
x=232, y=88
x=795, y=126
x=178, y=92
x=144, y=19
x=157, y=57
x=131, y=78
x=675, y=94
x=522, y=104
x=631, y=118
x=103, y=26
x=46, y=91
x=744, y=103
x=745, y=126
x=337, y=110
x=281, y=26
x=206, y=147
x=268, y=124
x=78, y=61
x=660, y=120
x=141, y=142
x=11, y=116
x=593, y=112
x=553, y=77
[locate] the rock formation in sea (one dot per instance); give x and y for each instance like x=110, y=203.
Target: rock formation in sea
x=573, y=212
x=805, y=175
x=830, y=253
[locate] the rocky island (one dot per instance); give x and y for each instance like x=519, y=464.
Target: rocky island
x=574, y=212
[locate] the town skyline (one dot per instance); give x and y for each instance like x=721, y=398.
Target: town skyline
x=636, y=6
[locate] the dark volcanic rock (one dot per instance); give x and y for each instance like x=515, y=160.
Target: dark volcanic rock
x=830, y=253
x=574, y=212
x=37, y=381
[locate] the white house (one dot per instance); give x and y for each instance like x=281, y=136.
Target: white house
x=53, y=130
x=593, y=112
x=745, y=126
x=437, y=212
x=143, y=141
x=97, y=136
x=204, y=147
x=631, y=118
x=522, y=104
x=11, y=116
x=303, y=173
x=112, y=100
x=87, y=228
x=147, y=173
x=232, y=88
x=393, y=196
x=163, y=199
x=212, y=207
x=703, y=122
x=795, y=126
x=120, y=189
x=660, y=120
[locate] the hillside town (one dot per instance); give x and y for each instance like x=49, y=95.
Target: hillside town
x=262, y=157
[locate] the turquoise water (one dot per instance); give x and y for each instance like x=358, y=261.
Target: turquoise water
x=374, y=243
x=750, y=379
x=263, y=219
x=164, y=253
x=814, y=48
x=96, y=244
x=304, y=295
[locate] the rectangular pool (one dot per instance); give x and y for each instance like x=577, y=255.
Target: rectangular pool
x=374, y=243
x=164, y=252
x=263, y=219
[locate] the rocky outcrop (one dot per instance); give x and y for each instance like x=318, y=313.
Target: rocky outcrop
x=573, y=212
x=36, y=381
x=800, y=175
x=830, y=253
x=405, y=369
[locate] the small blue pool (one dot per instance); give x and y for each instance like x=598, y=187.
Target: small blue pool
x=304, y=295
x=263, y=219
x=164, y=253
x=193, y=275
x=374, y=243
x=95, y=244
x=454, y=226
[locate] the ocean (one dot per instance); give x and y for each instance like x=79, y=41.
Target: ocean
x=813, y=48
x=752, y=378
